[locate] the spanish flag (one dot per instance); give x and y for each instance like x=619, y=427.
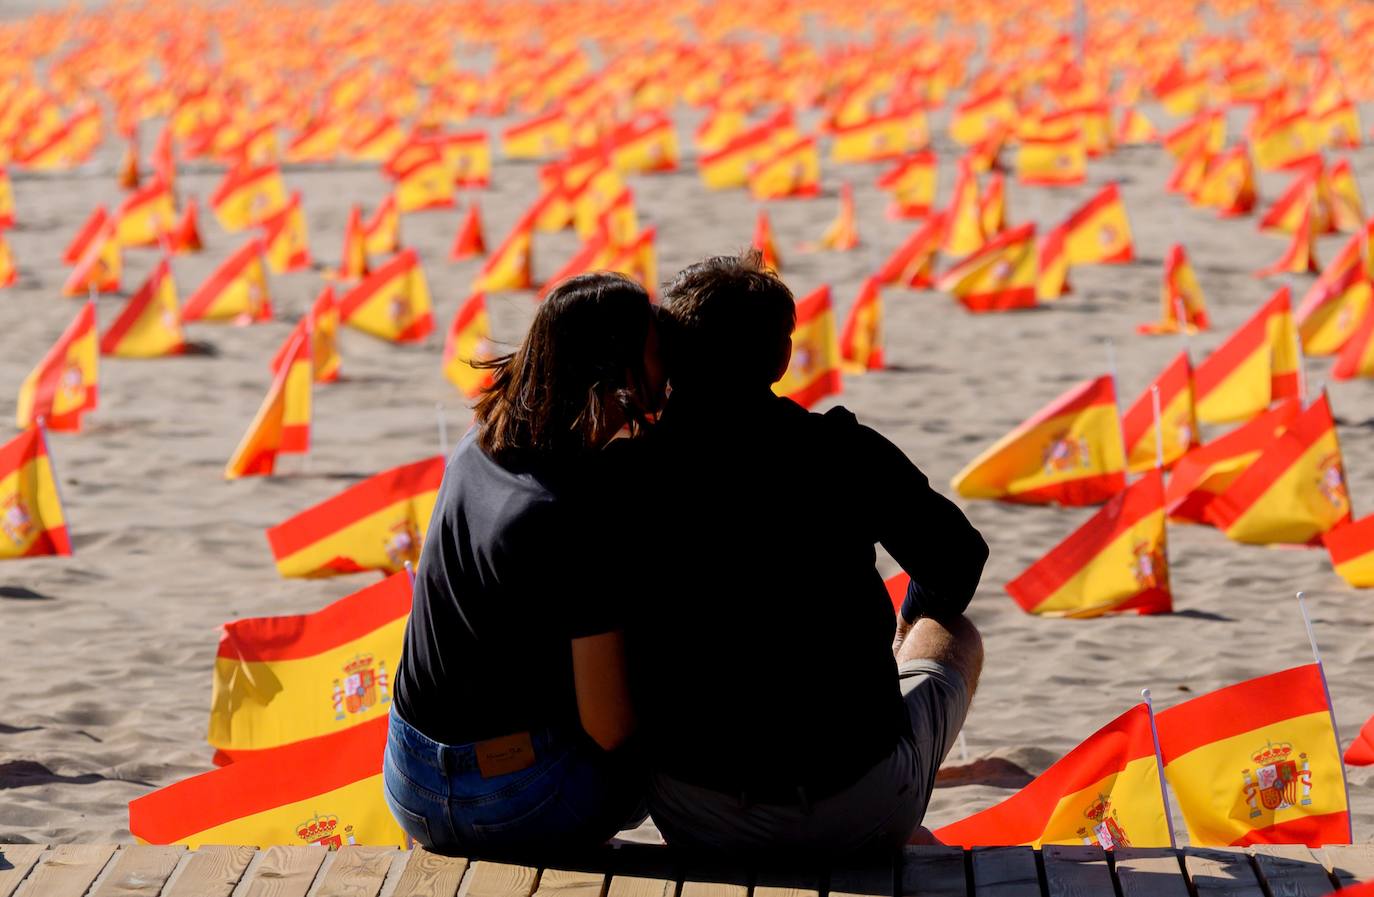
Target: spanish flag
x=842, y=234
x=1336, y=304
x=321, y=326
x=861, y=339
x=985, y=155
x=1105, y=792
x=469, y=241
x=1294, y=492
x=426, y=183
x=1281, y=141
x=392, y=303
x=1190, y=174
x=99, y=268
x=185, y=237
x=1301, y=255
x=31, y=521
x=353, y=263
x=292, y=679
x=1229, y=183
x=382, y=232
x=377, y=524
x=992, y=206
x=91, y=230
x=65, y=384
x=911, y=182
x=546, y=135
x=468, y=156
x=1180, y=293
x=880, y=137
x=1206, y=131
x=326, y=792
x=1115, y=562
x=247, y=195
x=963, y=217
x=1069, y=452
x=285, y=242
x=1001, y=276
x=1134, y=129
x=793, y=170
x=1258, y=763
x=9, y=273
x=375, y=140
x=1357, y=355
x=1177, y=422
x=637, y=259
x=730, y=165
x=1052, y=266
x=1052, y=162
x=1351, y=547
x=508, y=266
x=1254, y=366
x=648, y=145
x=149, y=326
x=814, y=371
x=237, y=290
x=146, y=216
x=1098, y=232
x=318, y=141
x=1343, y=192
x=764, y=242
x=1207, y=471
x=282, y=423
x=6, y=200
x=468, y=342
x=1337, y=127
x=1305, y=195
x=1361, y=750
x=981, y=115
x=912, y=264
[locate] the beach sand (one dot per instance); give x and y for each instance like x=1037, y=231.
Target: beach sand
x=105, y=680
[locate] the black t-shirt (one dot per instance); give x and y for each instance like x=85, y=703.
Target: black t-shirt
x=760, y=649
x=506, y=580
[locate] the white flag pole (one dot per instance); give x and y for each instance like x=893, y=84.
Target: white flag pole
x=1330, y=709
x=963, y=747
x=1159, y=766
x=1159, y=428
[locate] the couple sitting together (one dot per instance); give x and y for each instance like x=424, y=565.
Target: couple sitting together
x=630, y=605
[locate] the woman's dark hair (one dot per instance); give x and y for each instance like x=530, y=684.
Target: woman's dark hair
x=580, y=367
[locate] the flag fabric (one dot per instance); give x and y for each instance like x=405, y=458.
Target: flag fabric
x=91, y=229
x=1098, y=232
x=322, y=326
x=1052, y=161
x=377, y=524
x=1177, y=424
x=292, y=679
x=814, y=371
x=149, y=325
x=1294, y=492
x=282, y=423
x=1351, y=547
x=247, y=195
x=911, y=183
x=65, y=384
x=764, y=242
x=6, y=200
x=9, y=273
x=1052, y=266
x=546, y=135
x=731, y=164
x=793, y=170
x=326, y=792
x=1069, y=452
x=382, y=232
x=861, y=338
x=1306, y=193
x=286, y=244
x=1356, y=358
x=237, y=290
x=1336, y=303
x=100, y=266
x=1133, y=129
x=1001, y=276
x=145, y=216
x=962, y=217
x=1208, y=470
x=185, y=237
x=992, y=206
x=1229, y=183
x=466, y=343
x=1301, y=256
x=353, y=263
x=426, y=183
x=912, y=264
x=508, y=266
x=1254, y=366
x=1104, y=792
x=1257, y=763
x=1182, y=304
x=980, y=116
x=881, y=137
x=31, y=519
x=392, y=302
x=842, y=234
x=1343, y=193
x=469, y=241
x=1361, y=753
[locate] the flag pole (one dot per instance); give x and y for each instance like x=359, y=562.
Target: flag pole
x=1159, y=430
x=1159, y=765
x=963, y=747
x=443, y=428
x=1330, y=709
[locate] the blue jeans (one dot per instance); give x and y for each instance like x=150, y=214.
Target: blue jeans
x=574, y=797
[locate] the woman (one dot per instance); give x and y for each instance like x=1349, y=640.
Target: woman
x=511, y=707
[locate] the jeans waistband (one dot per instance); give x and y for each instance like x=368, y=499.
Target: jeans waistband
x=452, y=759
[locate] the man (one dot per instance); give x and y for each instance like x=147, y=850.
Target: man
x=772, y=710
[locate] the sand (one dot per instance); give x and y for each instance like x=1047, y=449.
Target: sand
x=105, y=680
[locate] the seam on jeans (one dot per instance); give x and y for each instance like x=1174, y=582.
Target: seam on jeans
x=416, y=785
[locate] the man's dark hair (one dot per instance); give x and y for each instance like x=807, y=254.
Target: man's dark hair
x=582, y=358
x=729, y=321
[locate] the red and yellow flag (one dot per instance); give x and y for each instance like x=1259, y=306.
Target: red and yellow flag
x=1256, y=365
x=648, y=145
x=1001, y=276
x=861, y=338
x=963, y=217
x=730, y=165
x=1052, y=161
x=326, y=792
x=237, y=290
x=1069, y=452
x=1098, y=232
x=93, y=228
x=1134, y=129
x=469, y=241
x=843, y=233
x=546, y=135
x=65, y=384
x=292, y=679
x=146, y=216
x=322, y=326
x=1336, y=304
x=426, y=183
x=285, y=241
x=185, y=237
x=392, y=303
x=1306, y=194
x=282, y=423
x=1361, y=753
x=382, y=232
x=247, y=195
x=911, y=182
x=1257, y=763
x=1343, y=193
x=1357, y=355
x=31, y=520
x=992, y=205
x=793, y=170
x=1301, y=255
x=9, y=273
x=1115, y=562
x=1207, y=471
x=979, y=116
x=468, y=342
x=880, y=137
x=814, y=371
x=508, y=267
x=377, y=524
x=1351, y=547
x=6, y=200
x=353, y=262
x=1176, y=430
x=1229, y=183
x=912, y=264
x=1281, y=141
x=1052, y=266
x=1105, y=792
x=764, y=242
x=99, y=267
x=1182, y=305
x=1294, y=492
x=149, y=325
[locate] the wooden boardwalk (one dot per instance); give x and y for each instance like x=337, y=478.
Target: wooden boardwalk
x=73, y=870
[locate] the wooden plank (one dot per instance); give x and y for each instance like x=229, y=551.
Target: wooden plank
x=1077, y=870
x=67, y=870
x=16, y=860
x=786, y=883
x=698, y=883
x=357, y=871
x=430, y=875
x=933, y=871
x=571, y=883
x=1351, y=864
x=640, y=886
x=1149, y=872
x=1221, y=872
x=285, y=871
x=1290, y=870
x=500, y=880
x=140, y=870
x=1005, y=872
x=212, y=871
